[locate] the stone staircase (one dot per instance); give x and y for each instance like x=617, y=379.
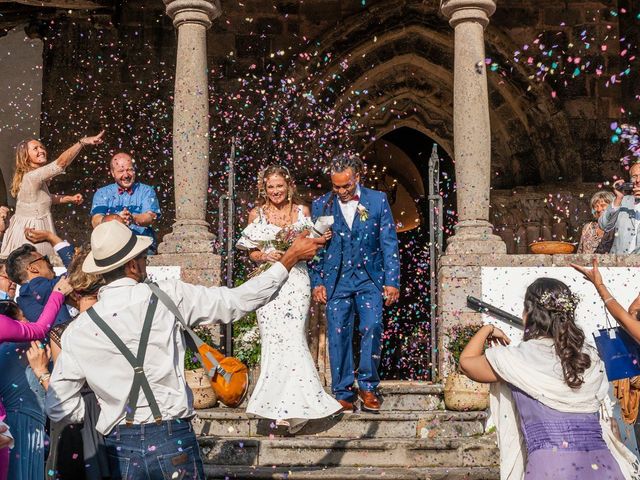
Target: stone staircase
x=412, y=438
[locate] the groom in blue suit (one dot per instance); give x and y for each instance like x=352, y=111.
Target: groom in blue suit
x=357, y=272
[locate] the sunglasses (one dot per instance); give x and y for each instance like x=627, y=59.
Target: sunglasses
x=45, y=258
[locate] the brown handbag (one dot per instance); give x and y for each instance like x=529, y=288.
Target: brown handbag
x=229, y=376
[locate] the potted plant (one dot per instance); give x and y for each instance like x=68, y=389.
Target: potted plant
x=460, y=392
x=196, y=377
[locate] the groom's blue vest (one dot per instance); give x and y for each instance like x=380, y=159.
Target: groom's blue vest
x=351, y=260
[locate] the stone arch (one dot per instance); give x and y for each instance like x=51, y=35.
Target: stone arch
x=403, y=55
x=410, y=182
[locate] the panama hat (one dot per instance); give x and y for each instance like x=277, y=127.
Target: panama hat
x=113, y=245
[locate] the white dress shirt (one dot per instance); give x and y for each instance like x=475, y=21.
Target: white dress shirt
x=350, y=208
x=89, y=356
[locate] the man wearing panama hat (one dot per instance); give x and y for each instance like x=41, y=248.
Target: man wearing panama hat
x=130, y=350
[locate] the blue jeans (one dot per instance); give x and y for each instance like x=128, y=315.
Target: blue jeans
x=154, y=452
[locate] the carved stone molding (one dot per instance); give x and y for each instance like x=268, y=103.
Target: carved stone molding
x=193, y=11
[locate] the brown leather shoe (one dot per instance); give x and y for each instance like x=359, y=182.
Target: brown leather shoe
x=370, y=401
x=347, y=407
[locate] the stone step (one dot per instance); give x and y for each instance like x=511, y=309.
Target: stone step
x=220, y=422
x=411, y=396
x=233, y=472
x=371, y=452
x=399, y=395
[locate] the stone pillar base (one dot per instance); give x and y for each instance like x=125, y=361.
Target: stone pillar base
x=475, y=237
x=190, y=247
x=197, y=268
x=188, y=236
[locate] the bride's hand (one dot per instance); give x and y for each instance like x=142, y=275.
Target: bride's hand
x=327, y=235
x=273, y=256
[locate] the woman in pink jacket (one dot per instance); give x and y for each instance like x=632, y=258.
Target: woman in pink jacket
x=14, y=328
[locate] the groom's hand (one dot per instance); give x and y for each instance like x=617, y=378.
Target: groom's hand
x=390, y=295
x=320, y=294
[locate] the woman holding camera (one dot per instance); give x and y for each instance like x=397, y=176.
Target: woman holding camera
x=546, y=394
x=621, y=215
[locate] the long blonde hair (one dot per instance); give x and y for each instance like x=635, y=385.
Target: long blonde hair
x=81, y=282
x=22, y=166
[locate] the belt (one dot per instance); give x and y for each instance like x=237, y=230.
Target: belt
x=151, y=427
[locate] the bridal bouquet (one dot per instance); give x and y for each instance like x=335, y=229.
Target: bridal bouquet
x=283, y=239
x=267, y=237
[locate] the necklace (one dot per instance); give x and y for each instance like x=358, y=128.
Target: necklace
x=280, y=217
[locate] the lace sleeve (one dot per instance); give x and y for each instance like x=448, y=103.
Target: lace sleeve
x=40, y=175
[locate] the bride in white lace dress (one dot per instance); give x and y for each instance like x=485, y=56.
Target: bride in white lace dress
x=289, y=389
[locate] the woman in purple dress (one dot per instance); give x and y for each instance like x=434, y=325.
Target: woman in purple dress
x=547, y=394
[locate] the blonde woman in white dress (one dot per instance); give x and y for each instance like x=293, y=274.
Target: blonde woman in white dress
x=30, y=188
x=288, y=390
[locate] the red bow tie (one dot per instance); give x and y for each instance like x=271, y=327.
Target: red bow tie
x=123, y=190
x=355, y=198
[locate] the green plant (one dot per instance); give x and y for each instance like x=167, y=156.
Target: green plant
x=191, y=362
x=459, y=336
x=246, y=340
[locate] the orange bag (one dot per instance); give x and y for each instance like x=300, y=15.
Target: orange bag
x=229, y=376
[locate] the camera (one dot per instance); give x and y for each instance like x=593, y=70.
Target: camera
x=626, y=187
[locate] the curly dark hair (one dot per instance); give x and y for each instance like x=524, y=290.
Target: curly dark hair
x=550, y=307
x=342, y=161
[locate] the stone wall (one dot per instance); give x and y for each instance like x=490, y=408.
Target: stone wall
x=114, y=68
x=111, y=71
x=525, y=215
x=20, y=97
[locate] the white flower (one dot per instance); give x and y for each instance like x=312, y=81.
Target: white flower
x=363, y=212
x=250, y=337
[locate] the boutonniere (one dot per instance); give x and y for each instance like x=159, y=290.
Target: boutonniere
x=363, y=212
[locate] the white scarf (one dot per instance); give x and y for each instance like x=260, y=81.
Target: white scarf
x=534, y=368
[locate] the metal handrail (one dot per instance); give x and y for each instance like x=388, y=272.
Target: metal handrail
x=228, y=198
x=435, y=250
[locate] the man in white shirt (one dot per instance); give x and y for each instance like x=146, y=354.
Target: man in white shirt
x=623, y=215
x=160, y=442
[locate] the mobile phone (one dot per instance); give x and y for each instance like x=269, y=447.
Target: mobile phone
x=626, y=187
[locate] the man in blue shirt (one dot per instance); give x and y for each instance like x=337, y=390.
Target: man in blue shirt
x=34, y=273
x=135, y=202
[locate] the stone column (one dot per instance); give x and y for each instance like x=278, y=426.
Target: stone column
x=190, y=244
x=471, y=128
